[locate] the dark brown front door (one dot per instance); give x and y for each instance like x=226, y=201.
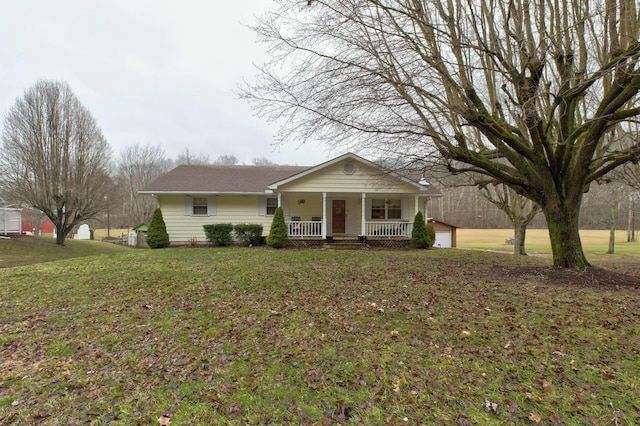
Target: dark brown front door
x=338, y=209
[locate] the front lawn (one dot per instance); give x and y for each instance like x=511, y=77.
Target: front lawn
x=260, y=336
x=25, y=250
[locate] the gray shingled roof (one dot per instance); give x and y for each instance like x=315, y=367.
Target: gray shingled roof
x=221, y=179
x=191, y=179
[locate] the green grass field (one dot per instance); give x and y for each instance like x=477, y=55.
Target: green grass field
x=26, y=250
x=260, y=336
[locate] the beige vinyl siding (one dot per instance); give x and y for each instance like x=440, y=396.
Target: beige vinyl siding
x=232, y=209
x=311, y=207
x=333, y=179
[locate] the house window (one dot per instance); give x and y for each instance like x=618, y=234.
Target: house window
x=272, y=205
x=394, y=209
x=377, y=209
x=200, y=207
x=386, y=209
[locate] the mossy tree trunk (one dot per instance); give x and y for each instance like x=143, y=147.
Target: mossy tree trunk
x=566, y=246
x=520, y=232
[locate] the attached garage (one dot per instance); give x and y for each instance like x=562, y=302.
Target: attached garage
x=445, y=234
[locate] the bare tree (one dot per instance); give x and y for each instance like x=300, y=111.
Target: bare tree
x=629, y=175
x=228, y=160
x=262, y=161
x=138, y=166
x=55, y=158
x=187, y=157
x=520, y=211
x=521, y=92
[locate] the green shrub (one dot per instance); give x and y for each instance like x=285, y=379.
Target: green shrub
x=432, y=235
x=157, y=236
x=219, y=233
x=422, y=236
x=249, y=233
x=278, y=236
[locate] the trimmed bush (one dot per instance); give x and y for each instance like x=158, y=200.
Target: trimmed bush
x=422, y=236
x=219, y=234
x=278, y=236
x=157, y=236
x=249, y=233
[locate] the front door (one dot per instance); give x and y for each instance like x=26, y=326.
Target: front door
x=339, y=214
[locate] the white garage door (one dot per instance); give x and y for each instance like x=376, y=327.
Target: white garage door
x=443, y=239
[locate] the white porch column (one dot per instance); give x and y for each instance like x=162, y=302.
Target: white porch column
x=364, y=215
x=279, y=199
x=426, y=214
x=417, y=206
x=324, y=215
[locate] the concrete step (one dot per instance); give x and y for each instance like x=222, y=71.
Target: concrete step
x=345, y=245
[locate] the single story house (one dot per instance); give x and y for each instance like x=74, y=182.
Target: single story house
x=346, y=197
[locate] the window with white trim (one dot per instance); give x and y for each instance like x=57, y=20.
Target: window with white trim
x=272, y=205
x=386, y=209
x=200, y=206
x=394, y=209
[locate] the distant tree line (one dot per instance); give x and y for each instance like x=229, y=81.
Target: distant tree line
x=467, y=207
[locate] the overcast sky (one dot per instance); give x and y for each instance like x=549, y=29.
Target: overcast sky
x=159, y=72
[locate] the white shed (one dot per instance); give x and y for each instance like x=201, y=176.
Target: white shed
x=10, y=221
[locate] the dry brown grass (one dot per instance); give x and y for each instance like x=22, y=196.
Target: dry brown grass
x=595, y=242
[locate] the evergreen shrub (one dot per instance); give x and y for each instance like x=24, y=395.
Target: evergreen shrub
x=278, y=236
x=422, y=236
x=157, y=236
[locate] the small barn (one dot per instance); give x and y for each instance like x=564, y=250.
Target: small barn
x=36, y=223
x=445, y=233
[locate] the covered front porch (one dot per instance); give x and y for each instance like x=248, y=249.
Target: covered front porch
x=340, y=216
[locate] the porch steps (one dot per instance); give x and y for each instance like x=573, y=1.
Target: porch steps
x=345, y=245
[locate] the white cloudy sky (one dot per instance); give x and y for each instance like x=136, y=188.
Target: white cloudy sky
x=159, y=72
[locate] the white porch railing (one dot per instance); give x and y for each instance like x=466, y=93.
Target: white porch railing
x=388, y=229
x=304, y=229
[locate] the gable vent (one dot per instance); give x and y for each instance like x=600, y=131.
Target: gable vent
x=349, y=168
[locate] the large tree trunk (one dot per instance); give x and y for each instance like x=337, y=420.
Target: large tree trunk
x=60, y=237
x=520, y=231
x=566, y=246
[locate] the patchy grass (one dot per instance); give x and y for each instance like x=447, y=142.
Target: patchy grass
x=259, y=336
x=26, y=250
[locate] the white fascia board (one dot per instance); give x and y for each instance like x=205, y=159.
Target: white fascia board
x=197, y=193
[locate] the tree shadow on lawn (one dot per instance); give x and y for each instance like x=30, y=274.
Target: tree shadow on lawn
x=596, y=277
